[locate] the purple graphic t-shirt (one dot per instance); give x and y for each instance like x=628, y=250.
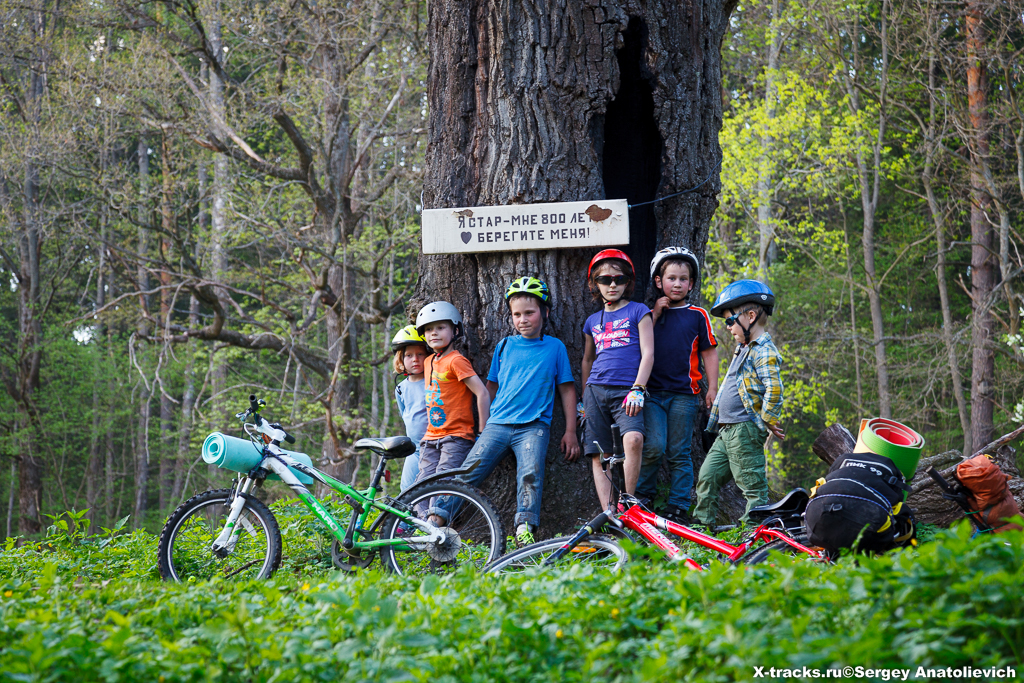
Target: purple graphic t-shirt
x=617, y=340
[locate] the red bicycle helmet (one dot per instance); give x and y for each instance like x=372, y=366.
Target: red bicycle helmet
x=607, y=254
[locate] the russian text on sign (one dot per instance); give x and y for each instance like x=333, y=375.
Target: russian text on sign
x=562, y=225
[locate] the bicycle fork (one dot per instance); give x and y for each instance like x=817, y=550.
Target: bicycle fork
x=225, y=542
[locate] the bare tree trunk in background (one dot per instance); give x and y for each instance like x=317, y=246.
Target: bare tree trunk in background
x=869, y=174
x=527, y=104
x=982, y=257
x=94, y=470
x=168, y=451
x=113, y=503
x=142, y=438
x=768, y=249
x=10, y=499
x=854, y=335
x=29, y=351
x=188, y=397
x=933, y=148
x=218, y=216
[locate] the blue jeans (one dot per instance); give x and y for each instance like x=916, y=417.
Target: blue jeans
x=669, y=420
x=529, y=443
x=410, y=469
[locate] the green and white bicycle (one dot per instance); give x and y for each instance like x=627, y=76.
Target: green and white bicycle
x=231, y=534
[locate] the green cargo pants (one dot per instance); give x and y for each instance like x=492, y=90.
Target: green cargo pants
x=738, y=453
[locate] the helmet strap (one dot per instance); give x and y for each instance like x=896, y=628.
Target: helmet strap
x=746, y=330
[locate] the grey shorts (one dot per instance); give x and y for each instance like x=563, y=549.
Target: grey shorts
x=604, y=408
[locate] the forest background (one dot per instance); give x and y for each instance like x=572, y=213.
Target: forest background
x=199, y=201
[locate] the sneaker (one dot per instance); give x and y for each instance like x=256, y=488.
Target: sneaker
x=524, y=536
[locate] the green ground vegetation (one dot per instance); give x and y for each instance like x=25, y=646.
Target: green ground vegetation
x=92, y=609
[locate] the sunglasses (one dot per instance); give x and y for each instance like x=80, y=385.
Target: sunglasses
x=731, y=320
x=609, y=279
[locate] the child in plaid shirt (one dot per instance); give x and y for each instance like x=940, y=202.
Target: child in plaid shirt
x=748, y=405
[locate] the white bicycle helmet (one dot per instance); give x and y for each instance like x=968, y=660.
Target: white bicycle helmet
x=437, y=311
x=679, y=253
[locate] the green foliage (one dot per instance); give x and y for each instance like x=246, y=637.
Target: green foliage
x=950, y=602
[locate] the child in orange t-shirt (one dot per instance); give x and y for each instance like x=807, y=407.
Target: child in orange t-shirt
x=451, y=384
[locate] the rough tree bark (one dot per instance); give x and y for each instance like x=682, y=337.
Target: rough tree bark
x=560, y=102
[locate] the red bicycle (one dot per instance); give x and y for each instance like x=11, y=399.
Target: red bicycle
x=780, y=528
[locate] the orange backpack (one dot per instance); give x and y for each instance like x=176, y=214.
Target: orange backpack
x=988, y=492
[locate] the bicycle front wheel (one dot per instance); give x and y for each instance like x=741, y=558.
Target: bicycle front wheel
x=185, y=550
x=473, y=534
x=597, y=550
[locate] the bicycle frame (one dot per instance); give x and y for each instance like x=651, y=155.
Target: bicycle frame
x=281, y=464
x=650, y=526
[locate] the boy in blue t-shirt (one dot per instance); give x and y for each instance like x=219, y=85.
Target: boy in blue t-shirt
x=525, y=372
x=682, y=339
x=617, y=358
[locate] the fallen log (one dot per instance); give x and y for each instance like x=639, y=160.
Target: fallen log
x=833, y=442
x=925, y=497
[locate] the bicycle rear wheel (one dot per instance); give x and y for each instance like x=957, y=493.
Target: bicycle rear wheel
x=597, y=550
x=185, y=554
x=759, y=555
x=474, y=533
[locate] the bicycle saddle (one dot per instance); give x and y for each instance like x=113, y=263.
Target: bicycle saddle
x=388, y=448
x=793, y=503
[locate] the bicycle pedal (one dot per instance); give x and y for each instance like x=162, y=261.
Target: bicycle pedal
x=350, y=501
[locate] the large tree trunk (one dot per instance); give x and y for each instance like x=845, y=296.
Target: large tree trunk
x=527, y=104
x=982, y=257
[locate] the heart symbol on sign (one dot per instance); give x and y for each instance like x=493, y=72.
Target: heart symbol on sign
x=466, y=237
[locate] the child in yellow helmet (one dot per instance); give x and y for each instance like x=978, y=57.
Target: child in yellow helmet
x=411, y=352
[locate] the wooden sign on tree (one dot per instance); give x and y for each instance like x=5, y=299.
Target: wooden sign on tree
x=558, y=225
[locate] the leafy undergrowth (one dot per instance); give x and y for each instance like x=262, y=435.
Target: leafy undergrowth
x=71, y=610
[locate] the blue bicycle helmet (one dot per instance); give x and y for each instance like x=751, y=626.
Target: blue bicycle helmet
x=744, y=292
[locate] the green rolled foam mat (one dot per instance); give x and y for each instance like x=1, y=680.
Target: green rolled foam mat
x=894, y=440
x=240, y=455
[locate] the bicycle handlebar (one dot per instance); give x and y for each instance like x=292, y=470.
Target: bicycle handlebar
x=255, y=405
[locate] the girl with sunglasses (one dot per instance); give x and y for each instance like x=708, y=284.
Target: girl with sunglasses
x=617, y=358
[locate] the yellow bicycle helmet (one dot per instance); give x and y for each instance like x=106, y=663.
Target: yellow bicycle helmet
x=532, y=286
x=407, y=336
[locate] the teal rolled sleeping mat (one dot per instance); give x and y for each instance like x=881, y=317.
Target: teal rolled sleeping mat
x=240, y=455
